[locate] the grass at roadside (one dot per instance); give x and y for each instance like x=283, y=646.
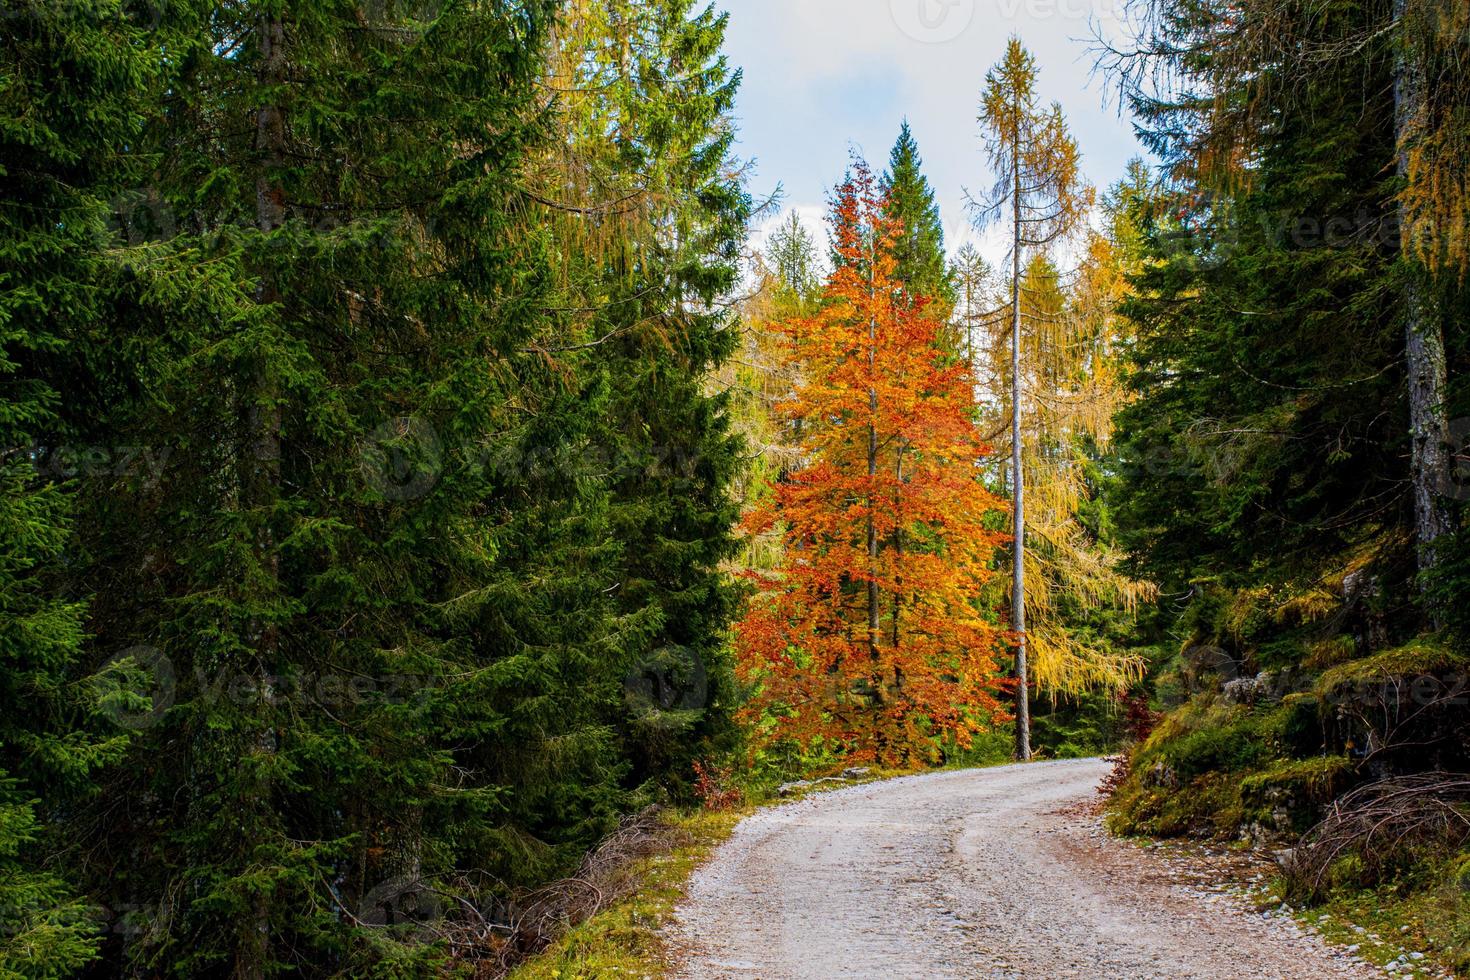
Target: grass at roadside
x=1391, y=925
x=625, y=940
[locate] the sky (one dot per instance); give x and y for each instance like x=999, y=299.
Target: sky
x=825, y=77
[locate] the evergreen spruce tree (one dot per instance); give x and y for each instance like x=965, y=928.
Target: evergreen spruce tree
x=1214, y=82
x=791, y=254
x=674, y=513
x=1268, y=311
x=72, y=83
x=650, y=137
x=922, y=267
x=369, y=610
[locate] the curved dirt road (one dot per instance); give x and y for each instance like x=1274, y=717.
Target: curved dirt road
x=982, y=873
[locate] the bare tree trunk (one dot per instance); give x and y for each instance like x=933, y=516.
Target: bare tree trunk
x=873, y=599
x=1424, y=348
x=898, y=553
x=872, y=531
x=1018, y=485
x=970, y=325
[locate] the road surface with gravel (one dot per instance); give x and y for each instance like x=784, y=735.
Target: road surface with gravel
x=985, y=873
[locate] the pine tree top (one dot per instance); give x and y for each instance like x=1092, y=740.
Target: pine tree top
x=922, y=267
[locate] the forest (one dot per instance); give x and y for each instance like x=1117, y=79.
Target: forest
x=419, y=475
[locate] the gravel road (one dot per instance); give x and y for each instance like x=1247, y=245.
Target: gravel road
x=986, y=873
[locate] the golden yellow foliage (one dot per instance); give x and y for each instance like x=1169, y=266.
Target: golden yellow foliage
x=1073, y=386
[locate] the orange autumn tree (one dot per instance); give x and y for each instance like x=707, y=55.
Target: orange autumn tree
x=869, y=639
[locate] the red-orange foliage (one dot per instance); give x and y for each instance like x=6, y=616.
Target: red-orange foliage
x=871, y=638
x=715, y=788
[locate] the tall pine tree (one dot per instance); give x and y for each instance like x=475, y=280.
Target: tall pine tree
x=1041, y=196
x=72, y=84
x=922, y=268
x=331, y=343
x=648, y=156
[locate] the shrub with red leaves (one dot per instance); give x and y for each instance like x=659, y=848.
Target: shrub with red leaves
x=712, y=784
x=1138, y=723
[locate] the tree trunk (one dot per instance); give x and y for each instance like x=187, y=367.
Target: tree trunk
x=1018, y=485
x=898, y=544
x=872, y=530
x=262, y=459
x=1424, y=349
x=873, y=599
x=898, y=555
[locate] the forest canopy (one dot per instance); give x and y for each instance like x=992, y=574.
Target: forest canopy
x=412, y=473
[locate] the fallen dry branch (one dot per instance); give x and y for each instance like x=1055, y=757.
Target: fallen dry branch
x=1382, y=825
x=607, y=874
x=490, y=934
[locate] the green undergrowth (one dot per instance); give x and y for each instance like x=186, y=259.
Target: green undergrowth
x=1416, y=659
x=1268, y=767
x=1262, y=770
x=1427, y=911
x=1220, y=770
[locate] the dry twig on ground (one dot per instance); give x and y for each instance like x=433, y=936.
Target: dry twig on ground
x=1382, y=825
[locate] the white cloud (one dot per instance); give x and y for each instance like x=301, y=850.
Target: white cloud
x=824, y=75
